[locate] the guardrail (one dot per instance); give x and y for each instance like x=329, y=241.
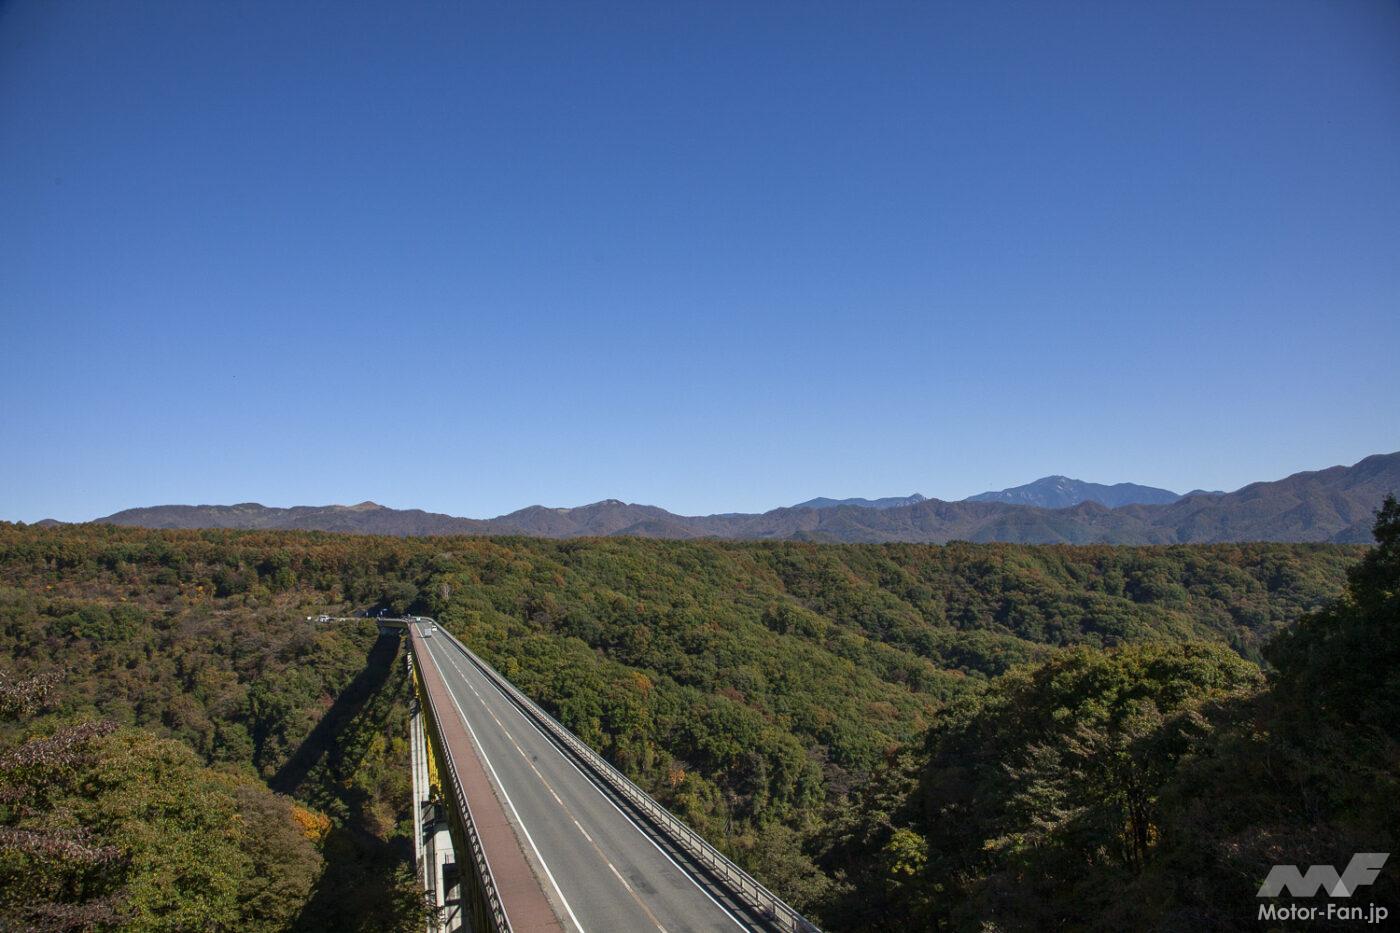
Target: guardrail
x=741, y=883
x=496, y=913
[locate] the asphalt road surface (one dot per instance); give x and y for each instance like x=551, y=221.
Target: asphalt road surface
x=605, y=872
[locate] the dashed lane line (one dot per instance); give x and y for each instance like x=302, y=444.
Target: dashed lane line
x=557, y=799
x=590, y=782
x=482, y=752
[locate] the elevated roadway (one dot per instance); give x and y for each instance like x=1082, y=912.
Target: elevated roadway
x=602, y=855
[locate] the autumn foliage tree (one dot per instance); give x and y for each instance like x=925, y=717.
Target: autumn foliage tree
x=104, y=828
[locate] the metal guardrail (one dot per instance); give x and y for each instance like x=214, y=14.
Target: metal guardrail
x=497, y=913
x=741, y=883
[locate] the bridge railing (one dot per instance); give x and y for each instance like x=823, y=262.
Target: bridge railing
x=741, y=883
x=496, y=914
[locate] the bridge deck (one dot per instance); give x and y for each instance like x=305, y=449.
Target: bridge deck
x=604, y=870
x=527, y=905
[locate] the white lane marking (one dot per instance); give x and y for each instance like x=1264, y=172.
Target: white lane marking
x=550, y=787
x=590, y=782
x=482, y=752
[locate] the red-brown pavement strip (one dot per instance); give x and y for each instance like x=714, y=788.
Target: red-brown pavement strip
x=522, y=894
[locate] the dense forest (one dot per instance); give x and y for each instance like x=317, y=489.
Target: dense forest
x=889, y=735
x=1150, y=786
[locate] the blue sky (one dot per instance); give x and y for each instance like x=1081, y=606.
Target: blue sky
x=710, y=256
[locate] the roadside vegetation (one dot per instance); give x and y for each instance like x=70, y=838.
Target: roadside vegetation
x=892, y=735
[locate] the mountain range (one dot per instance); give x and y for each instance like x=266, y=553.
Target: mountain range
x=1061, y=492
x=1335, y=504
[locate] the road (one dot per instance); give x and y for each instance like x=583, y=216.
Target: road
x=606, y=873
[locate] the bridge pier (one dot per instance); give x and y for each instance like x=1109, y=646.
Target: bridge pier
x=433, y=852
x=441, y=869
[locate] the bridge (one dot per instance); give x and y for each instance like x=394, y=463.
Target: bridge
x=523, y=827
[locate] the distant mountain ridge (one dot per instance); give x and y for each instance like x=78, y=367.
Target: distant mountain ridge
x=1336, y=504
x=1048, y=492
x=889, y=502
x=1061, y=492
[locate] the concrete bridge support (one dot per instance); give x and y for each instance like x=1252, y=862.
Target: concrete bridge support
x=433, y=852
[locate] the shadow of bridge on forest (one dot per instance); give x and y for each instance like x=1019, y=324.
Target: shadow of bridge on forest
x=367, y=883
x=322, y=740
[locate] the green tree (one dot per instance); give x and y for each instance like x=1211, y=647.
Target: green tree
x=1344, y=662
x=103, y=827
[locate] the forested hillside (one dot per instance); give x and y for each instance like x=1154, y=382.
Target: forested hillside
x=779, y=696
x=1151, y=786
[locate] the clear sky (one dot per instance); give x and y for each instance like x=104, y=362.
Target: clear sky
x=709, y=256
